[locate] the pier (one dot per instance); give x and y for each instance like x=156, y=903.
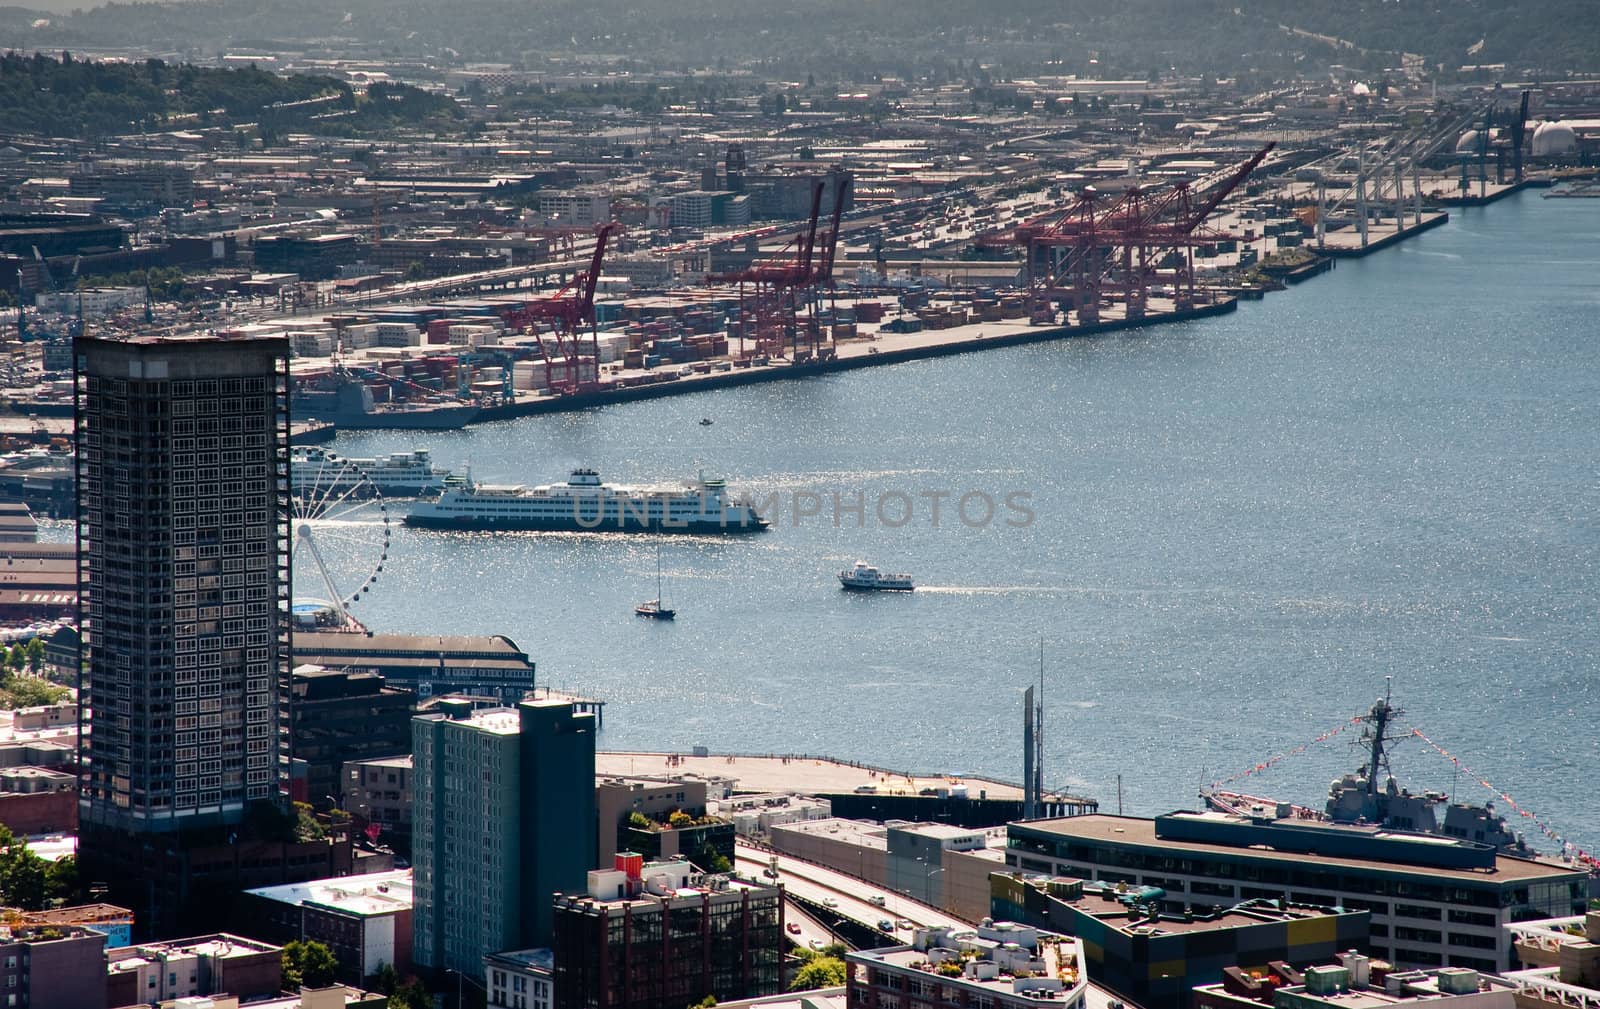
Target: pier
x=857, y=789
x=883, y=349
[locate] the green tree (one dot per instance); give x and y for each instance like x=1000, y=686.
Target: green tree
x=385, y=980
x=309, y=965
x=61, y=879
x=35, y=656
x=709, y=1002
x=411, y=995
x=819, y=972
x=678, y=819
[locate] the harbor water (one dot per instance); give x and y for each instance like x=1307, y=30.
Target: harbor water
x=1227, y=533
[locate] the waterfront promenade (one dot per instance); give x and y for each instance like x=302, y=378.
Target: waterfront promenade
x=803, y=774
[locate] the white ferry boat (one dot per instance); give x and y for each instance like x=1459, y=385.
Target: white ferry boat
x=316, y=472
x=866, y=578
x=584, y=504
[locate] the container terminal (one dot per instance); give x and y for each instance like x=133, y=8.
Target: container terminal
x=441, y=288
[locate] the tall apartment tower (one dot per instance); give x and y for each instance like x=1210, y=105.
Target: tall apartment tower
x=183, y=588
x=503, y=819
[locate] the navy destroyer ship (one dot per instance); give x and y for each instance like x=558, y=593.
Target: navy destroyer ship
x=1364, y=799
x=584, y=504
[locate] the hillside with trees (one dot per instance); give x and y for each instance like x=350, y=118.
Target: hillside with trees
x=851, y=39
x=64, y=96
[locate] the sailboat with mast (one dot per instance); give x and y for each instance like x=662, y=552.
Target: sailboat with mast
x=654, y=608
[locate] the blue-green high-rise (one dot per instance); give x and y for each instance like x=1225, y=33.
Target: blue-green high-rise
x=504, y=818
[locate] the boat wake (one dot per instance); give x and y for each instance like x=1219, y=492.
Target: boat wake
x=995, y=590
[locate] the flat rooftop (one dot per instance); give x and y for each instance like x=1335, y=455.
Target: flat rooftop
x=375, y=893
x=221, y=946
x=1130, y=830
x=858, y=832
x=1102, y=904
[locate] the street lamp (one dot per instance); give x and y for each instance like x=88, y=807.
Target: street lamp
x=460, y=977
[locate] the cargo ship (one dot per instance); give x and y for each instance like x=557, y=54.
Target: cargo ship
x=347, y=402
x=1362, y=799
x=316, y=471
x=584, y=504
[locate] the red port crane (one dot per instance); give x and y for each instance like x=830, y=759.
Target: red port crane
x=823, y=276
x=768, y=291
x=566, y=313
x=1099, y=246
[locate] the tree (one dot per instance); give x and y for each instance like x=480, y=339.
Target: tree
x=820, y=972
x=385, y=980
x=709, y=1002
x=678, y=819
x=411, y=995
x=35, y=656
x=28, y=881
x=309, y=965
x=61, y=879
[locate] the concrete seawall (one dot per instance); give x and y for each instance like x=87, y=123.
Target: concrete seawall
x=885, y=356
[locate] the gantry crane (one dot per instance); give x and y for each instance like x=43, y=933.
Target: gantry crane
x=566, y=313
x=769, y=291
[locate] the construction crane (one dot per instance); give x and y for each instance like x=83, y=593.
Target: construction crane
x=565, y=314
x=768, y=291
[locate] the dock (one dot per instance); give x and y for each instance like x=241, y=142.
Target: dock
x=581, y=704
x=879, y=350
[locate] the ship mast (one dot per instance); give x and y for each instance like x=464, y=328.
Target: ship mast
x=1376, y=737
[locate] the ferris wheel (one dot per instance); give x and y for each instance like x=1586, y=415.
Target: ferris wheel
x=341, y=532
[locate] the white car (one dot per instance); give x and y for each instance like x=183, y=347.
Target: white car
x=829, y=902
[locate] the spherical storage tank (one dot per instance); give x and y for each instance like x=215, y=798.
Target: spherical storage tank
x=1552, y=140
x=1468, y=144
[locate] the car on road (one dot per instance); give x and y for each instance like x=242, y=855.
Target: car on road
x=829, y=902
x=793, y=927
x=902, y=923
x=816, y=944
x=770, y=873
x=885, y=925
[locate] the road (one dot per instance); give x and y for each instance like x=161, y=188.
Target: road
x=849, y=895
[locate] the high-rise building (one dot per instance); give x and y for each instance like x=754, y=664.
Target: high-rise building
x=183, y=592
x=504, y=818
